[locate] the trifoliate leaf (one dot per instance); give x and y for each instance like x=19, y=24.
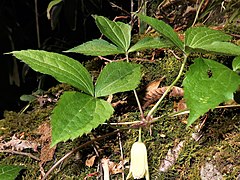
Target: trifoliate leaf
x=117, y=77
x=97, y=47
x=77, y=114
x=164, y=29
x=119, y=33
x=236, y=63
x=9, y=172
x=63, y=68
x=206, y=85
x=150, y=43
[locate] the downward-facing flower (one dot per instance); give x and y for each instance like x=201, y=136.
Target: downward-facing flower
x=139, y=163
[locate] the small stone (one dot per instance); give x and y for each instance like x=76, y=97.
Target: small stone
x=209, y=172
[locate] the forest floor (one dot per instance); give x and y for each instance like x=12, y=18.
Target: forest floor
x=209, y=149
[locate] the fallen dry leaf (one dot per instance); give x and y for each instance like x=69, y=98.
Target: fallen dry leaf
x=110, y=167
x=19, y=144
x=179, y=106
x=171, y=157
x=154, y=95
x=90, y=161
x=47, y=153
x=154, y=84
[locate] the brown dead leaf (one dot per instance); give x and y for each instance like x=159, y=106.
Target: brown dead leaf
x=116, y=168
x=46, y=152
x=90, y=161
x=154, y=84
x=179, y=106
x=19, y=144
x=154, y=95
x=171, y=157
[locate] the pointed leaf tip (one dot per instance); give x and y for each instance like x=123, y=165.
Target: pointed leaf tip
x=119, y=33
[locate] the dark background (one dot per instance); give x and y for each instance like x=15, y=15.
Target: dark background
x=71, y=25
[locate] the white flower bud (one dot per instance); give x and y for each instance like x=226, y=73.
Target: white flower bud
x=139, y=163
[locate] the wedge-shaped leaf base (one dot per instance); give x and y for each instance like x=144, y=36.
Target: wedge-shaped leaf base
x=206, y=85
x=97, y=47
x=63, y=68
x=9, y=172
x=117, y=77
x=77, y=114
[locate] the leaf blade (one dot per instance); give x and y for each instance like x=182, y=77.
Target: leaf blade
x=218, y=47
x=236, y=63
x=164, y=29
x=96, y=47
x=9, y=172
x=150, y=43
x=77, y=114
x=117, y=77
x=63, y=68
x=206, y=85
x=119, y=33
x=196, y=37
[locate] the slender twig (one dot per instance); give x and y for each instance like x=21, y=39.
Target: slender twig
x=122, y=123
x=151, y=112
x=122, y=156
x=186, y=111
x=20, y=153
x=76, y=149
x=197, y=13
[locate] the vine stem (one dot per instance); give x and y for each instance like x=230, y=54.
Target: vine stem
x=152, y=111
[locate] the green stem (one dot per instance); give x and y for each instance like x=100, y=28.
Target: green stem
x=139, y=105
x=140, y=135
x=152, y=111
x=135, y=94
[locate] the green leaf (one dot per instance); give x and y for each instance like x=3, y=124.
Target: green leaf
x=118, y=32
x=203, y=39
x=97, y=47
x=28, y=98
x=61, y=67
x=236, y=63
x=9, y=172
x=206, y=85
x=50, y=6
x=76, y=114
x=164, y=29
x=220, y=48
x=150, y=43
x=196, y=37
x=117, y=77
